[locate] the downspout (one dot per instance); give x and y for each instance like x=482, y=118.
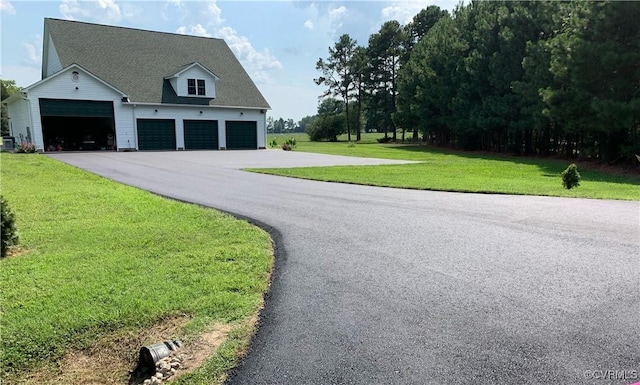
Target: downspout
x=30, y=129
x=135, y=129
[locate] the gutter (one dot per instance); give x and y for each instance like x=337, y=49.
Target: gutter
x=197, y=106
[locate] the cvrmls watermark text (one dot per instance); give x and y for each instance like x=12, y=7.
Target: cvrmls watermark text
x=612, y=374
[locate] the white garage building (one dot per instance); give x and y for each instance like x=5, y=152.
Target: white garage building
x=115, y=88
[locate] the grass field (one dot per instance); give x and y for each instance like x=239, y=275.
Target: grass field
x=99, y=259
x=457, y=171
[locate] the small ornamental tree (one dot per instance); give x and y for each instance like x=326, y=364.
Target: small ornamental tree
x=8, y=231
x=570, y=177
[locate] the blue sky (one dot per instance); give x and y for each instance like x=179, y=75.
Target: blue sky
x=278, y=42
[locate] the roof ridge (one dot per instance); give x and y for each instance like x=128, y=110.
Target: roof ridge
x=130, y=28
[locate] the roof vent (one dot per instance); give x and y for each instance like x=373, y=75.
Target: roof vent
x=75, y=76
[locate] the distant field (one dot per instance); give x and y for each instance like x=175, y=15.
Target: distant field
x=456, y=171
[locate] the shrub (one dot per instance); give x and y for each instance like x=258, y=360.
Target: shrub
x=326, y=127
x=26, y=148
x=273, y=143
x=385, y=139
x=8, y=231
x=570, y=177
x=289, y=145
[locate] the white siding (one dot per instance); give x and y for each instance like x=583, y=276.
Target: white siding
x=208, y=113
x=19, y=125
x=195, y=72
x=62, y=86
x=52, y=60
x=125, y=126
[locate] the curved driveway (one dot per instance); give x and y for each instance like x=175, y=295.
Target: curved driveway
x=389, y=286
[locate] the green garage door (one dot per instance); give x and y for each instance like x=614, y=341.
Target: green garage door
x=201, y=134
x=76, y=108
x=156, y=134
x=242, y=135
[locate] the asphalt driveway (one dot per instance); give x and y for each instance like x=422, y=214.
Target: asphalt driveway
x=389, y=286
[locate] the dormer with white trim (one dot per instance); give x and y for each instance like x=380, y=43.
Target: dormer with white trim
x=194, y=80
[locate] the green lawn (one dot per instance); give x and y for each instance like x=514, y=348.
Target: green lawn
x=100, y=257
x=456, y=171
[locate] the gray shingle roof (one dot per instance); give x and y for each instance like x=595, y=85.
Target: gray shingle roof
x=136, y=61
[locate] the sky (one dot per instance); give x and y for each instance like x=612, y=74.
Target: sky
x=277, y=42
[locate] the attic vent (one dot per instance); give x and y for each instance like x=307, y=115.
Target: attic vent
x=75, y=76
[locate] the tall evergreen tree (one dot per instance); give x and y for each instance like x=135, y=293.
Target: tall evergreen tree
x=384, y=52
x=336, y=72
x=595, y=96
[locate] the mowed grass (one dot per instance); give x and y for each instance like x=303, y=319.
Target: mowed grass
x=457, y=171
x=99, y=257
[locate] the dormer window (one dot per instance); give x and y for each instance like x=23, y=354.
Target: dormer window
x=201, y=90
x=193, y=81
x=193, y=90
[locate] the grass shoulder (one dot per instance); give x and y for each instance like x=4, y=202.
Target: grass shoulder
x=100, y=258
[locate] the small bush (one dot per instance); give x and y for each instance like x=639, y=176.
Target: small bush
x=273, y=143
x=8, y=231
x=384, y=139
x=289, y=145
x=26, y=148
x=570, y=177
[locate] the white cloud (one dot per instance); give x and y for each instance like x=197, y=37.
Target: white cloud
x=33, y=52
x=404, y=11
x=337, y=13
x=196, y=30
x=215, y=11
x=257, y=63
x=179, y=4
x=206, y=13
x=308, y=24
x=101, y=10
x=172, y=8
x=7, y=8
x=325, y=20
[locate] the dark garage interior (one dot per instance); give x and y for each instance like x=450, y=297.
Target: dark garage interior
x=62, y=133
x=77, y=125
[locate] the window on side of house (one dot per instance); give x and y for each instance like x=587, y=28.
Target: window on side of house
x=201, y=89
x=191, y=86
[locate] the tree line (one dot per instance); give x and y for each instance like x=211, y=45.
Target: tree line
x=523, y=77
x=282, y=126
